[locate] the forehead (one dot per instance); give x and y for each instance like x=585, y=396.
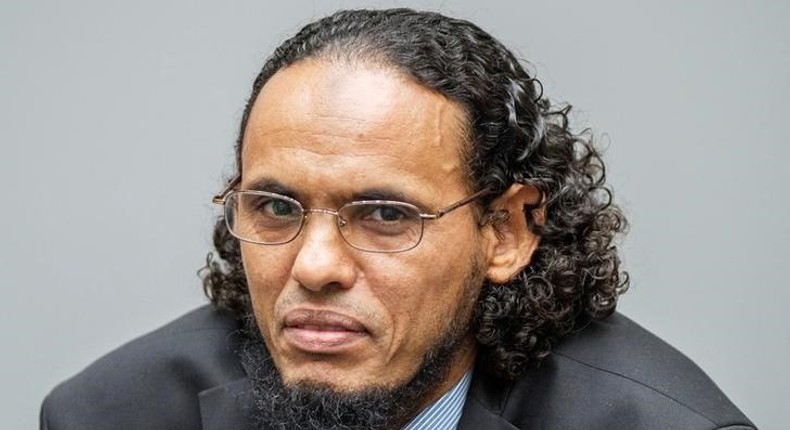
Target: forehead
x=359, y=125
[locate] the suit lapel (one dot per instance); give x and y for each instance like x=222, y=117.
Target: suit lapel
x=476, y=416
x=485, y=403
x=225, y=407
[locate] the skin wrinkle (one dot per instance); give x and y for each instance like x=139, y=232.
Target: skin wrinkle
x=296, y=143
x=371, y=112
x=315, y=195
x=331, y=134
x=441, y=110
x=278, y=406
x=515, y=327
x=448, y=167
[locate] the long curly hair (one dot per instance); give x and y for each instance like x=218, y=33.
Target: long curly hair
x=515, y=136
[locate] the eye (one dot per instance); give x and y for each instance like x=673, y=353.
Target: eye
x=375, y=221
x=385, y=213
x=279, y=207
x=270, y=206
x=388, y=216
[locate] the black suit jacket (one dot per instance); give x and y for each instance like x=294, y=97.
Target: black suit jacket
x=611, y=375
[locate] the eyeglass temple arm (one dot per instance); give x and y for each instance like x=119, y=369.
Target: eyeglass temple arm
x=444, y=211
x=220, y=198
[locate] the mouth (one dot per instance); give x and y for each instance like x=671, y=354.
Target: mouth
x=321, y=331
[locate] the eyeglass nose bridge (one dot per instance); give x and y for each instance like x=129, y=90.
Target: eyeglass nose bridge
x=341, y=222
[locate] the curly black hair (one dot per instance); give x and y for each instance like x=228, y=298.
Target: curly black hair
x=515, y=136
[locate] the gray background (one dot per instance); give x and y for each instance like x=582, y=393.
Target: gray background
x=117, y=121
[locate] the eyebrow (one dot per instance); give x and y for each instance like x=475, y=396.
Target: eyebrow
x=374, y=193
x=384, y=193
x=273, y=186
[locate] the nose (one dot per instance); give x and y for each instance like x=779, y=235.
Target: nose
x=324, y=259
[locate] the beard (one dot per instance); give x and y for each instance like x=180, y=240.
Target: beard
x=314, y=406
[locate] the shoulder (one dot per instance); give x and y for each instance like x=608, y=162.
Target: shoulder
x=160, y=373
x=613, y=374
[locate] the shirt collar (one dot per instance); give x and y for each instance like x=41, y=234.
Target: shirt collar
x=444, y=413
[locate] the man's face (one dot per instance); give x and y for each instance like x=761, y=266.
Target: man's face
x=332, y=315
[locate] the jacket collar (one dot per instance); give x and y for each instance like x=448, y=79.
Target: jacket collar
x=224, y=407
x=485, y=404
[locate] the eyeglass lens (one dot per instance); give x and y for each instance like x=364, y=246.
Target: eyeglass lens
x=380, y=226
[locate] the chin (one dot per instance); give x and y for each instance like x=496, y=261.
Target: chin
x=349, y=379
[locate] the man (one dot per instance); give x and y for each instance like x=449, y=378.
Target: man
x=414, y=239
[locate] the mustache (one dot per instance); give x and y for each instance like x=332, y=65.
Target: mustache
x=333, y=309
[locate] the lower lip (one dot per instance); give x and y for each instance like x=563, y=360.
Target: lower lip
x=321, y=341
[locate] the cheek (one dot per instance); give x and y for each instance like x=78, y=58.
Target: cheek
x=422, y=293
x=267, y=271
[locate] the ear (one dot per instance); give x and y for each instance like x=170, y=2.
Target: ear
x=510, y=243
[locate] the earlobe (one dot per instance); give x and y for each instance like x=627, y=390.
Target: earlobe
x=510, y=242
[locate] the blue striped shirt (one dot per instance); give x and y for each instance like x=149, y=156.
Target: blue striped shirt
x=444, y=413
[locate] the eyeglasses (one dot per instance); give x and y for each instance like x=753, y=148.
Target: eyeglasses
x=369, y=225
